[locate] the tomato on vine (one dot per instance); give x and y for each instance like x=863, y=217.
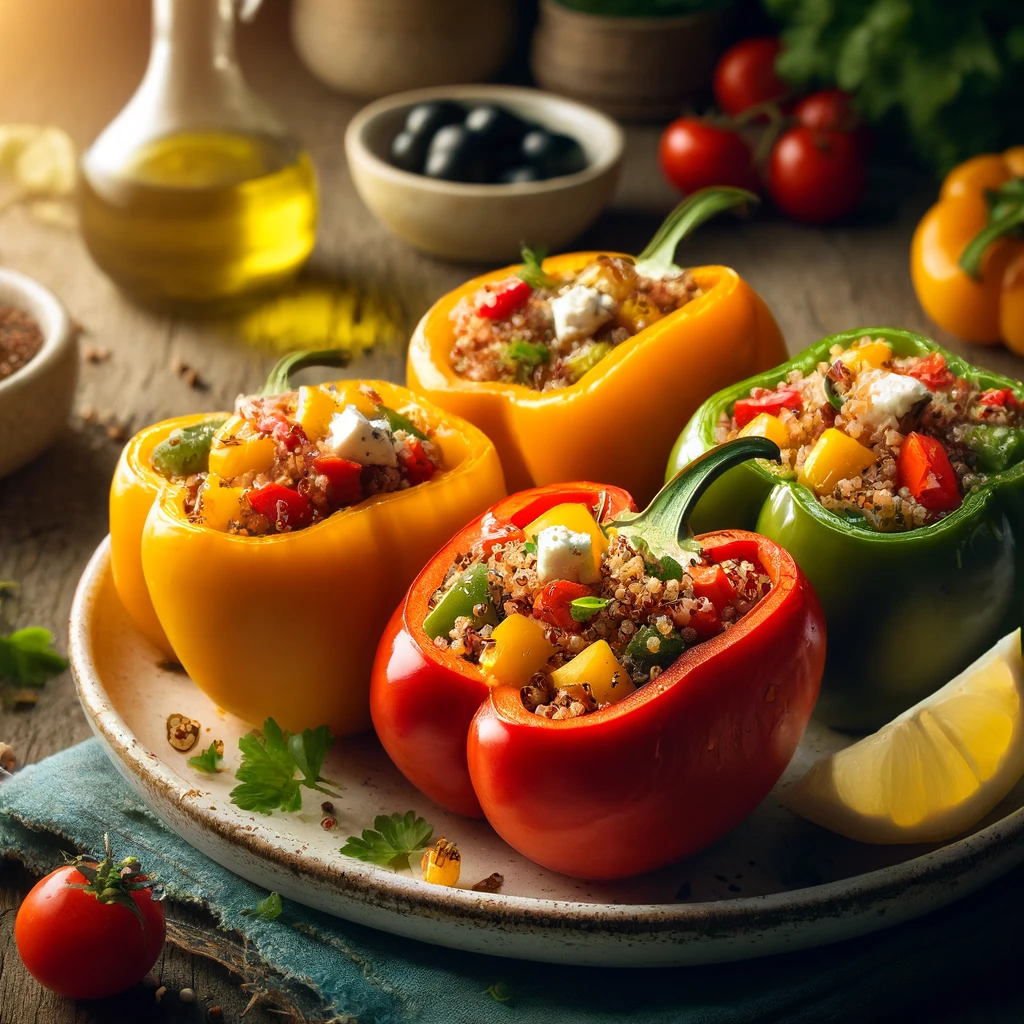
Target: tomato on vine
x=696, y=154
x=745, y=75
x=90, y=930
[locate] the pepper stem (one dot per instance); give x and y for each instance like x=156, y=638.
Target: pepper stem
x=1006, y=215
x=657, y=259
x=280, y=379
x=664, y=526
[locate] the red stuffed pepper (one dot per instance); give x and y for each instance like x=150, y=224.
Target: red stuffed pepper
x=611, y=693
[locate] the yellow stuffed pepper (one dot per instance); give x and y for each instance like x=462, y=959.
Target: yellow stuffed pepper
x=267, y=549
x=585, y=366
x=967, y=255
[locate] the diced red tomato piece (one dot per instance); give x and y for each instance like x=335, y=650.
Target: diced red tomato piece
x=923, y=467
x=291, y=435
x=932, y=372
x=552, y=603
x=772, y=402
x=495, y=531
x=706, y=622
x=999, y=399
x=414, y=461
x=507, y=298
x=712, y=582
x=343, y=480
x=284, y=507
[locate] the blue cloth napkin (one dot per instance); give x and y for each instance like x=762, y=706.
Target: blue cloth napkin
x=381, y=979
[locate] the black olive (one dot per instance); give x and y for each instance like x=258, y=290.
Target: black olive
x=409, y=151
x=453, y=155
x=552, y=154
x=518, y=175
x=425, y=118
x=492, y=124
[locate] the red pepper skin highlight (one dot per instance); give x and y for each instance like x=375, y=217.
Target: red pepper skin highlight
x=659, y=775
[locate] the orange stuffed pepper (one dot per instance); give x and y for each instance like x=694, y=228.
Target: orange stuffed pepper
x=967, y=256
x=585, y=365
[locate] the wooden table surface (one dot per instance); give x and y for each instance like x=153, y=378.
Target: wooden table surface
x=54, y=513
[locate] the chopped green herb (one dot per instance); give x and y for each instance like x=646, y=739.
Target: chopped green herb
x=391, y=841
x=530, y=547
x=523, y=357
x=665, y=568
x=266, y=910
x=186, y=450
x=27, y=657
x=396, y=421
x=500, y=991
x=582, y=609
x=206, y=762
x=665, y=648
x=586, y=358
x=532, y=270
x=269, y=762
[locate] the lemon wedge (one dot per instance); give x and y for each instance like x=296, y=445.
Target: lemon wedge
x=933, y=772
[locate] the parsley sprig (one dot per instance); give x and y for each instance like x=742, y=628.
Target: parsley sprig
x=391, y=841
x=532, y=270
x=206, y=760
x=583, y=609
x=266, y=910
x=270, y=759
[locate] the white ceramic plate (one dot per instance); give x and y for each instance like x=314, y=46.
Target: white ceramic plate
x=776, y=883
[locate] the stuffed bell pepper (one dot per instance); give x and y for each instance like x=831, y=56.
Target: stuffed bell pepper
x=967, y=256
x=900, y=494
x=265, y=550
x=557, y=361
x=610, y=692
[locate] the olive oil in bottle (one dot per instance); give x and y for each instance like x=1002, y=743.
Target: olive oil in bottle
x=201, y=217
x=195, y=195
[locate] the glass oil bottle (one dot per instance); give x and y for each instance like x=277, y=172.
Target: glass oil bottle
x=195, y=195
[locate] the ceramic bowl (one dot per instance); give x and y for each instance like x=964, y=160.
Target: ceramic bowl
x=484, y=223
x=35, y=401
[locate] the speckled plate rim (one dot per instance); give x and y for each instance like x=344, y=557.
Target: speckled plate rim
x=527, y=927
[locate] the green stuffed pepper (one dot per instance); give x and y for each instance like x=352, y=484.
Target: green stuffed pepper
x=901, y=496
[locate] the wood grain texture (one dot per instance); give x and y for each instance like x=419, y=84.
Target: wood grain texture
x=53, y=513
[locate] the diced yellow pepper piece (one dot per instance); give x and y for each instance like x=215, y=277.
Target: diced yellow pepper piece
x=764, y=424
x=235, y=450
x=597, y=666
x=441, y=863
x=872, y=356
x=835, y=457
x=314, y=410
x=519, y=650
x=219, y=504
x=576, y=517
x=637, y=314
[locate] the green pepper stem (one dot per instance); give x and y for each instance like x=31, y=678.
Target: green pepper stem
x=699, y=206
x=1007, y=214
x=664, y=526
x=280, y=379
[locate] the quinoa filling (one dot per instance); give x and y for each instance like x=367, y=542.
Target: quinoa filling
x=591, y=639
x=546, y=332
x=891, y=443
x=288, y=461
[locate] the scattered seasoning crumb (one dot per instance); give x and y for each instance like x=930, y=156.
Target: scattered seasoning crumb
x=190, y=375
x=327, y=823
x=117, y=432
x=215, y=1013
x=492, y=883
x=159, y=993
x=7, y=758
x=95, y=354
x=327, y=807
x=182, y=731
x=186, y=995
x=20, y=339
x=441, y=863
x=171, y=666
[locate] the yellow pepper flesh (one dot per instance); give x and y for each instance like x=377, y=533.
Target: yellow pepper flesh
x=834, y=457
x=284, y=625
x=597, y=666
x=764, y=424
x=619, y=421
x=872, y=356
x=235, y=451
x=520, y=649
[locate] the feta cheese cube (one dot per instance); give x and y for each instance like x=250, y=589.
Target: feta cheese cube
x=563, y=554
x=353, y=437
x=888, y=395
x=580, y=311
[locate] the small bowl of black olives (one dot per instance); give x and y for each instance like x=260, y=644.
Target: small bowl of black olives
x=470, y=172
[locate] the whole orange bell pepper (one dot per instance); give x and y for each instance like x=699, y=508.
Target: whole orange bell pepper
x=967, y=255
x=285, y=625
x=618, y=421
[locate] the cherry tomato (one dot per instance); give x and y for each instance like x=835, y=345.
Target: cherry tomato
x=933, y=373
x=694, y=154
x=745, y=75
x=828, y=110
x=816, y=176
x=553, y=603
x=924, y=468
x=773, y=402
x=81, y=948
x=414, y=460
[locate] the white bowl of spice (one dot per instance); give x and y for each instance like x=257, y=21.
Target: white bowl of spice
x=38, y=369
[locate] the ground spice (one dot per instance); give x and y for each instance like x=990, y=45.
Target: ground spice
x=20, y=339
